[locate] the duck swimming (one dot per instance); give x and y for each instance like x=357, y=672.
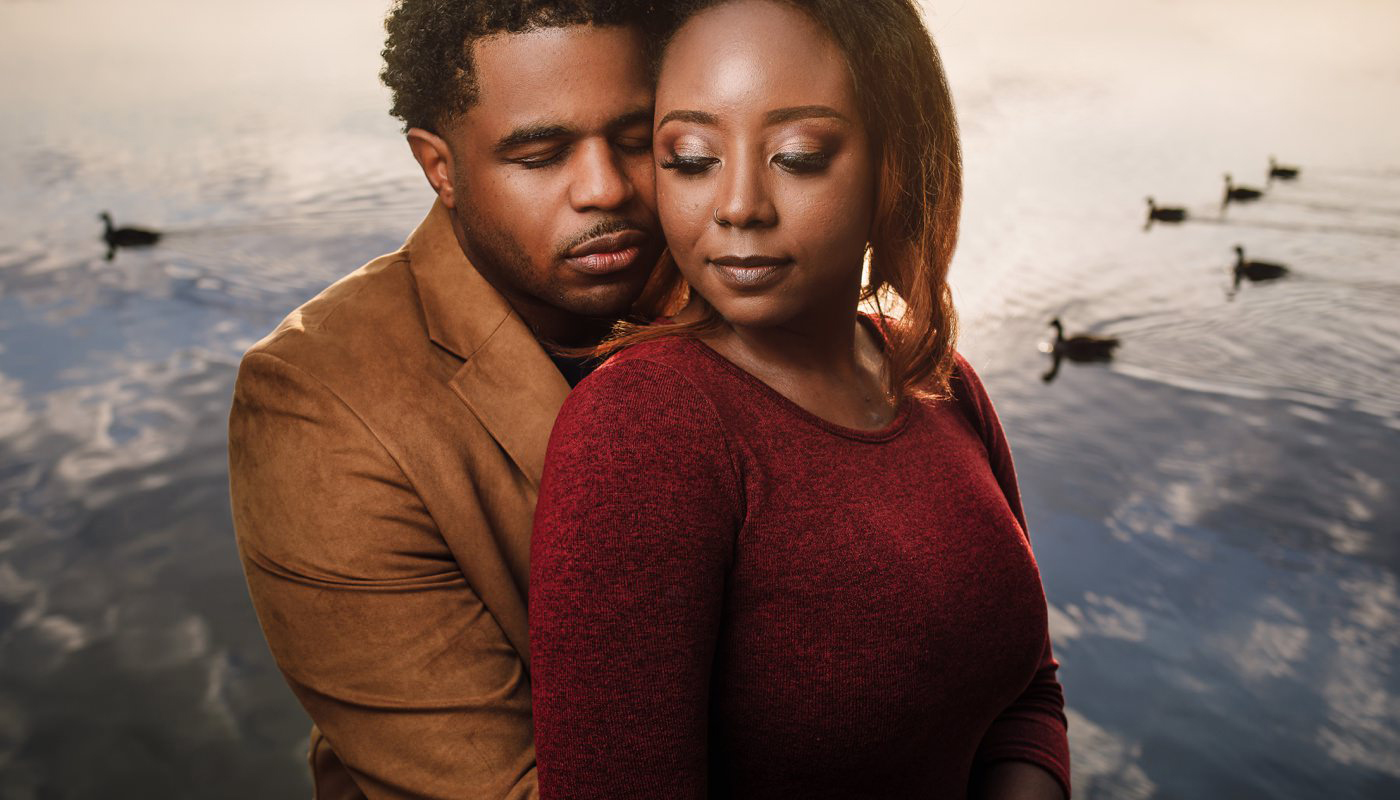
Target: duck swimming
x=1283, y=173
x=125, y=237
x=1161, y=214
x=1256, y=271
x=1082, y=347
x=1238, y=194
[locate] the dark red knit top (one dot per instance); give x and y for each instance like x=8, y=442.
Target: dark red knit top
x=731, y=597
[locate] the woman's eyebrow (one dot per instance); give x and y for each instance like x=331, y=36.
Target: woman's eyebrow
x=780, y=115
x=775, y=117
x=697, y=117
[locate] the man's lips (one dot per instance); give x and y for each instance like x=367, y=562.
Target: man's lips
x=606, y=254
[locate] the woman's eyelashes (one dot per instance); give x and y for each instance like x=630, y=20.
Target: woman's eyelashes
x=803, y=161
x=688, y=164
x=800, y=162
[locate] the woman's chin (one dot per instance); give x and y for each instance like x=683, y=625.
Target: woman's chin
x=754, y=311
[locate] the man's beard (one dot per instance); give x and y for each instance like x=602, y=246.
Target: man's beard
x=506, y=264
x=504, y=261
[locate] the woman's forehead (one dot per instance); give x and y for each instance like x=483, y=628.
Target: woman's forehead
x=754, y=55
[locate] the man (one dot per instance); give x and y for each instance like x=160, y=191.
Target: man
x=387, y=439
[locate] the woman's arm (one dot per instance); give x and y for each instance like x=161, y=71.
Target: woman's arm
x=1028, y=742
x=633, y=538
x=1017, y=780
x=1031, y=732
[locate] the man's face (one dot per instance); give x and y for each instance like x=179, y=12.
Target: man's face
x=553, y=171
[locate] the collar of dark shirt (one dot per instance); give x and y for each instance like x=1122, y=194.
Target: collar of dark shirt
x=574, y=368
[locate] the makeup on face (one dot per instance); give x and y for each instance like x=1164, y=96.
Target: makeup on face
x=765, y=179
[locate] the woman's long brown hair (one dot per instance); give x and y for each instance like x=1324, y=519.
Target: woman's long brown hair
x=908, y=109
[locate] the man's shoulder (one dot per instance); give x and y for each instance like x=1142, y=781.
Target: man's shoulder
x=352, y=314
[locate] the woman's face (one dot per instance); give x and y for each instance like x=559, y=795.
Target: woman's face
x=765, y=181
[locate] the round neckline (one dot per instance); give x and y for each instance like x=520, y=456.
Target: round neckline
x=888, y=432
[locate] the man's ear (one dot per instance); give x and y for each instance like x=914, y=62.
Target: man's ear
x=435, y=157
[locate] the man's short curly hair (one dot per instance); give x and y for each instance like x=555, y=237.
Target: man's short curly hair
x=427, y=54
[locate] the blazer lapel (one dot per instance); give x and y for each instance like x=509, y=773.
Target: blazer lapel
x=515, y=390
x=507, y=380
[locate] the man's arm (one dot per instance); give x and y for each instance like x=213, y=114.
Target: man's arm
x=370, y=618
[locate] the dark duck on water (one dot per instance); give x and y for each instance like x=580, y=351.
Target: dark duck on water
x=125, y=237
x=1082, y=347
x=1255, y=271
x=1156, y=213
x=1281, y=172
x=1238, y=194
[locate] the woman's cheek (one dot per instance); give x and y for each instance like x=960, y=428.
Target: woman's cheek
x=683, y=215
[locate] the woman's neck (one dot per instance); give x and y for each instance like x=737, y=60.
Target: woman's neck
x=828, y=363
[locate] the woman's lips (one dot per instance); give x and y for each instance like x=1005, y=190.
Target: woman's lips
x=748, y=272
x=605, y=255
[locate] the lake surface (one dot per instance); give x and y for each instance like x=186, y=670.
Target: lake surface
x=1215, y=513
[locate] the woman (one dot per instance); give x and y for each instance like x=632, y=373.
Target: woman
x=779, y=550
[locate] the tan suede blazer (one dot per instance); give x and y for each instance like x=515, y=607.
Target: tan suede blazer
x=385, y=450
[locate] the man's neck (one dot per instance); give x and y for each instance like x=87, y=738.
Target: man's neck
x=553, y=325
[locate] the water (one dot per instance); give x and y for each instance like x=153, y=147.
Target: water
x=1215, y=513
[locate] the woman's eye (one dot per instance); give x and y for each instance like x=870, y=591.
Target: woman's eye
x=689, y=165
x=802, y=161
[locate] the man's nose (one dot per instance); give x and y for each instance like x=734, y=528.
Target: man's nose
x=599, y=181
x=742, y=199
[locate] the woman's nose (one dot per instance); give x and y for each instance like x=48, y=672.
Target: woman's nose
x=743, y=199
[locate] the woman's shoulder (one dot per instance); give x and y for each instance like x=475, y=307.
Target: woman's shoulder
x=666, y=363
x=963, y=372
x=654, y=383
x=971, y=397
x=677, y=349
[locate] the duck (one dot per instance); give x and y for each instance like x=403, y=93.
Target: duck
x=1281, y=172
x=1256, y=270
x=1168, y=214
x=125, y=237
x=1238, y=194
x=1081, y=347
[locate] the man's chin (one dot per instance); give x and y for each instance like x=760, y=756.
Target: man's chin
x=610, y=301
x=609, y=295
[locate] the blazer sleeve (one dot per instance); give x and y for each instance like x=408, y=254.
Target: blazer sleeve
x=1033, y=728
x=370, y=619
x=633, y=539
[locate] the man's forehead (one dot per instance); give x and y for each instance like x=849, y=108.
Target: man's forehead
x=586, y=73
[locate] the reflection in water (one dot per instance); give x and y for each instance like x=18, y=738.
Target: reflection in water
x=1214, y=511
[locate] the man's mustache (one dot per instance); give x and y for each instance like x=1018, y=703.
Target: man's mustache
x=603, y=228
